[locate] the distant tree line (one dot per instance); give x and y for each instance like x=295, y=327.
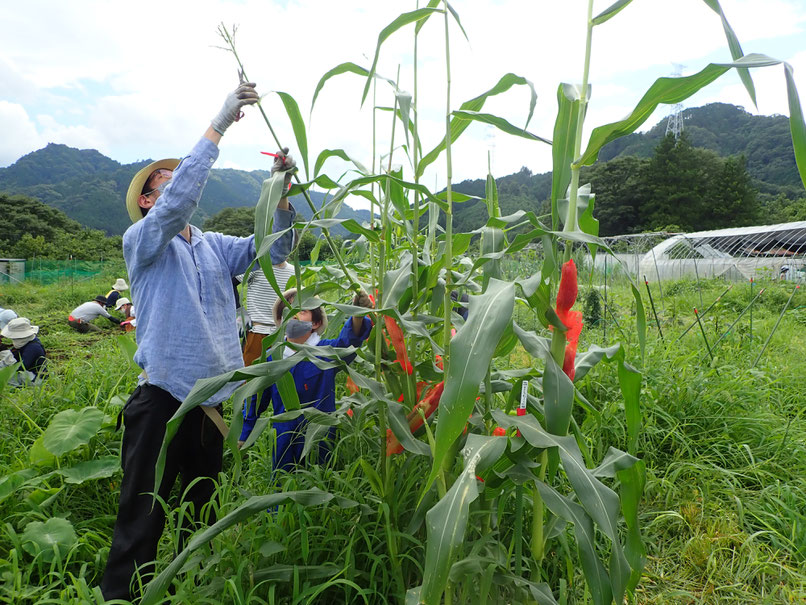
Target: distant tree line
x=31, y=229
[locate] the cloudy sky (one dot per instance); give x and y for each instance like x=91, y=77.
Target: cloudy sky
x=142, y=80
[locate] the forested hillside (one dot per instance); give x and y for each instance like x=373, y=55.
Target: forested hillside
x=90, y=188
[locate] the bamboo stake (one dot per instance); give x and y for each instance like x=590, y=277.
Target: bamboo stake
x=705, y=338
x=654, y=312
x=703, y=314
x=747, y=308
x=775, y=327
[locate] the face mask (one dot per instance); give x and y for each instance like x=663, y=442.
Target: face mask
x=296, y=328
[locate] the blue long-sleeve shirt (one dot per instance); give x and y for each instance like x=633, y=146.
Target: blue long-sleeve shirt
x=314, y=386
x=186, y=327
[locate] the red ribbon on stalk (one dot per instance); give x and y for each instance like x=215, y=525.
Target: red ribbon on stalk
x=566, y=297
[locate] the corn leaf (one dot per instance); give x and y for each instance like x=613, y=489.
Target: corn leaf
x=471, y=350
x=558, y=391
x=339, y=153
x=796, y=124
x=421, y=22
x=344, y=68
x=665, y=90
x=256, y=504
x=298, y=125
x=735, y=49
x=447, y=520
x=562, y=148
x=458, y=126
x=632, y=480
x=401, y=21
x=610, y=12
x=500, y=123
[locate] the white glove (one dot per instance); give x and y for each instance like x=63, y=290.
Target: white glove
x=230, y=112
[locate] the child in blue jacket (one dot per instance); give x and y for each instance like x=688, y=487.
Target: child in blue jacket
x=315, y=387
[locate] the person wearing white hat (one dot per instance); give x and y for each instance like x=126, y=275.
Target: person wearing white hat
x=27, y=347
x=6, y=315
x=181, y=279
x=114, y=294
x=81, y=317
x=127, y=308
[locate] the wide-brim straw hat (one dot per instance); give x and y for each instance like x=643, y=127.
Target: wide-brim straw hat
x=120, y=284
x=122, y=301
x=289, y=295
x=19, y=328
x=139, y=181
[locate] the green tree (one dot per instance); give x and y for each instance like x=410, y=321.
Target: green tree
x=619, y=191
x=232, y=221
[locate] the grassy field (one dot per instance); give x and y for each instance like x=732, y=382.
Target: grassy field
x=723, y=514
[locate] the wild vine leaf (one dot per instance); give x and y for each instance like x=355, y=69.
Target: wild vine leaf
x=54, y=537
x=70, y=429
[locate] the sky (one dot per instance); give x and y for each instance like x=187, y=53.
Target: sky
x=142, y=80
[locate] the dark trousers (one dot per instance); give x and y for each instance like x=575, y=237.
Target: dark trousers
x=195, y=451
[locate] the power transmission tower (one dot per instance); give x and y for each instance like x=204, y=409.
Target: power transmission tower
x=674, y=124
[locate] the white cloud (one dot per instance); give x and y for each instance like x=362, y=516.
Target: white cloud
x=143, y=80
x=19, y=132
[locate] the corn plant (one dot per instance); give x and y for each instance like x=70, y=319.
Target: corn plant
x=509, y=501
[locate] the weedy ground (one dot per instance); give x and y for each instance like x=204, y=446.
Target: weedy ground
x=723, y=515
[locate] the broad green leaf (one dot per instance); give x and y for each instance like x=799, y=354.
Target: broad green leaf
x=55, y=537
x=562, y=148
x=338, y=153
x=6, y=373
x=471, y=350
x=38, y=455
x=458, y=125
x=456, y=18
x=99, y=468
x=70, y=429
x=396, y=281
x=127, y=346
x=11, y=483
x=796, y=124
x=447, y=520
x=421, y=22
x=587, y=360
x=614, y=461
x=610, y=12
x=500, y=123
x=664, y=90
x=630, y=382
x=256, y=504
x=736, y=51
x=401, y=21
x=298, y=125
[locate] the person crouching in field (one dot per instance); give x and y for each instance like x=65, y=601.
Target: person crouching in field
x=181, y=279
x=115, y=293
x=27, y=349
x=125, y=306
x=80, y=317
x=315, y=387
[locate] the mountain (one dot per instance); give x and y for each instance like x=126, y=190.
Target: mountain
x=90, y=188
x=728, y=130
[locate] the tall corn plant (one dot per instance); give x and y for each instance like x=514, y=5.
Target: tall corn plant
x=540, y=467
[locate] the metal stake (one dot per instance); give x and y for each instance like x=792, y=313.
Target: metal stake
x=655, y=313
x=747, y=308
x=705, y=338
x=704, y=313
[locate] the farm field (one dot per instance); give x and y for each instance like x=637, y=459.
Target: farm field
x=723, y=514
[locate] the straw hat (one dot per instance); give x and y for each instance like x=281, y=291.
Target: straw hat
x=139, y=181
x=120, y=284
x=122, y=301
x=19, y=328
x=289, y=295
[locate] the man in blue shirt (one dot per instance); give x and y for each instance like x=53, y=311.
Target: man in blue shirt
x=316, y=387
x=186, y=330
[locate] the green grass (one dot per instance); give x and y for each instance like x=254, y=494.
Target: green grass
x=723, y=515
